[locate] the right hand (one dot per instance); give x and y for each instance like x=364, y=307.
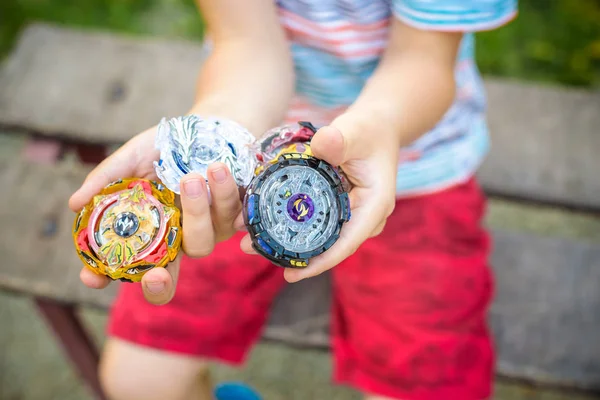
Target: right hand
x=203, y=225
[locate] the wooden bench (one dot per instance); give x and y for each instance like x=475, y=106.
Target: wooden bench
x=95, y=89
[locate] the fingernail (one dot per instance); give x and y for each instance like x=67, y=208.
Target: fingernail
x=155, y=287
x=220, y=175
x=193, y=188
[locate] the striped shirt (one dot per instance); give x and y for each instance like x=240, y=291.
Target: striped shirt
x=337, y=44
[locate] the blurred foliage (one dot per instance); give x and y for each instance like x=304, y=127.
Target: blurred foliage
x=167, y=18
x=551, y=40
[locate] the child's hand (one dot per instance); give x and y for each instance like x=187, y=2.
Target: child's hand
x=411, y=89
x=368, y=154
x=203, y=226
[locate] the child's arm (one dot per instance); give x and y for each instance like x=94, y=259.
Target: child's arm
x=408, y=94
x=248, y=78
x=249, y=75
x=413, y=86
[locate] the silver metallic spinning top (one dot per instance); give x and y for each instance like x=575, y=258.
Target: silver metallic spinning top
x=295, y=207
x=191, y=143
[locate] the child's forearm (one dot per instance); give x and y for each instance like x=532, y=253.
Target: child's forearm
x=411, y=102
x=413, y=85
x=249, y=83
x=249, y=75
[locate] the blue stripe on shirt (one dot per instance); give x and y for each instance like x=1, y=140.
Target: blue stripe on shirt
x=453, y=13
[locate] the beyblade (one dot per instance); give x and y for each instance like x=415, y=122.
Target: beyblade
x=191, y=143
x=284, y=139
x=129, y=228
x=296, y=205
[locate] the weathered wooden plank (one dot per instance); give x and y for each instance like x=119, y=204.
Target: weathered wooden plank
x=301, y=314
x=37, y=255
x=101, y=87
x=94, y=86
x=544, y=316
x=35, y=243
x=545, y=143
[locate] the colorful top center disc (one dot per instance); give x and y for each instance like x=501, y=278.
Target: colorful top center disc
x=129, y=228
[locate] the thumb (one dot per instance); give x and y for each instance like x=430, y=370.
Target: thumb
x=329, y=144
x=336, y=143
x=120, y=164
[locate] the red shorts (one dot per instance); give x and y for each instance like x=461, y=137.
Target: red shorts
x=426, y=276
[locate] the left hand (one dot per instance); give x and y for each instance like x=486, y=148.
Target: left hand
x=367, y=152
x=203, y=225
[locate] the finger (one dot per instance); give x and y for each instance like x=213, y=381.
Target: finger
x=246, y=245
x=118, y=165
x=226, y=205
x=239, y=224
x=365, y=220
x=198, y=234
x=159, y=284
x=378, y=229
x=92, y=280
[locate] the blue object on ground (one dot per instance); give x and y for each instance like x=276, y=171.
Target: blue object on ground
x=235, y=391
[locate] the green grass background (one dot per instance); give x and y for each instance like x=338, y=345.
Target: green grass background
x=551, y=41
